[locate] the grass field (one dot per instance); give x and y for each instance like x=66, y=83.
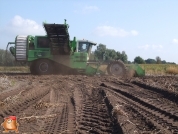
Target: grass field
x=160, y=69
x=150, y=69
x=155, y=69
x=15, y=69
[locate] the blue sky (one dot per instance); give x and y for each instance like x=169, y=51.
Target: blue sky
x=146, y=28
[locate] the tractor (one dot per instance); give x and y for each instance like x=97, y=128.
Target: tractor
x=56, y=53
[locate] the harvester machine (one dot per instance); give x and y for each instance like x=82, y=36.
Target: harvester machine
x=56, y=53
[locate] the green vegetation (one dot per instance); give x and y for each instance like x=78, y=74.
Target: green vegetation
x=103, y=53
x=139, y=60
x=157, y=60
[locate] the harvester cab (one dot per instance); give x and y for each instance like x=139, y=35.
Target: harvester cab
x=55, y=52
x=85, y=46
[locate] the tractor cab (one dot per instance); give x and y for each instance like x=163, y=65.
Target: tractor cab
x=85, y=46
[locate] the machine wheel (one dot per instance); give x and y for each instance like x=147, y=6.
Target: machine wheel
x=117, y=68
x=131, y=73
x=43, y=67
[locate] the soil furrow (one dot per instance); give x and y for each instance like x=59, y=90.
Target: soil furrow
x=172, y=96
x=155, y=115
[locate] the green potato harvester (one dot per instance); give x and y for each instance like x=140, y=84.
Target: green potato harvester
x=55, y=53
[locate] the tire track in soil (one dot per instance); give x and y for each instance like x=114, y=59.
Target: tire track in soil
x=93, y=112
x=8, y=93
x=151, y=97
x=25, y=103
x=164, y=92
x=158, y=118
x=63, y=122
x=31, y=124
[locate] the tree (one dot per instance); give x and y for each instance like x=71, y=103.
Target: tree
x=129, y=62
x=100, y=51
x=109, y=54
x=163, y=62
x=170, y=63
x=113, y=54
x=158, y=60
x=118, y=55
x=106, y=54
x=150, y=61
x=139, y=60
x=124, y=57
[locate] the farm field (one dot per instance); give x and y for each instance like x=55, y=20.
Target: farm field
x=98, y=105
x=160, y=69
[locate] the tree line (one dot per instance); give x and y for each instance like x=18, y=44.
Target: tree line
x=103, y=53
x=157, y=60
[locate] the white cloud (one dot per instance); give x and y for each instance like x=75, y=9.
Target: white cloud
x=113, y=31
x=151, y=47
x=133, y=32
x=21, y=26
x=175, y=41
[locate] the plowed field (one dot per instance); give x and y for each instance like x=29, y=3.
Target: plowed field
x=57, y=104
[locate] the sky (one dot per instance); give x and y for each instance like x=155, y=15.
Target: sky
x=145, y=28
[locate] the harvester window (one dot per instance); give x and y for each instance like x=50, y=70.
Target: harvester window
x=43, y=42
x=83, y=47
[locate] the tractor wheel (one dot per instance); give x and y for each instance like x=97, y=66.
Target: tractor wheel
x=117, y=68
x=43, y=67
x=131, y=73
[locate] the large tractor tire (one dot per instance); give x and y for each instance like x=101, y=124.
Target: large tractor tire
x=117, y=68
x=131, y=73
x=41, y=67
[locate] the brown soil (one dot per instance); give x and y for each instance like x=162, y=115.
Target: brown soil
x=58, y=104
